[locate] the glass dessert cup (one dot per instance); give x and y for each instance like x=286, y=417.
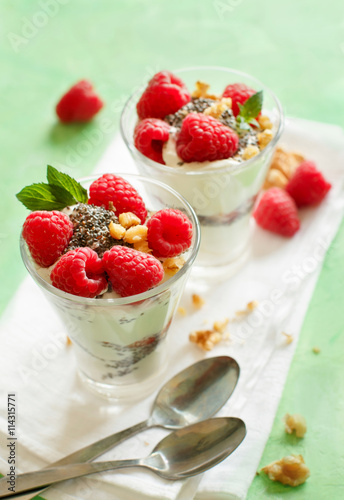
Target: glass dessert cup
x=121, y=344
x=222, y=196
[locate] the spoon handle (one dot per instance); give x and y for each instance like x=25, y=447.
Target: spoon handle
x=90, y=452
x=46, y=477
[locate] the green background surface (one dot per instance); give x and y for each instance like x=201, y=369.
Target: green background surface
x=296, y=48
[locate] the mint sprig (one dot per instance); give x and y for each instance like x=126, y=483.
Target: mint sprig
x=249, y=112
x=60, y=191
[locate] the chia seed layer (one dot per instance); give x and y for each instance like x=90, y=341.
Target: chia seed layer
x=91, y=228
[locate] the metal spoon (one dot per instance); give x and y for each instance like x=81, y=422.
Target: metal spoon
x=194, y=394
x=181, y=454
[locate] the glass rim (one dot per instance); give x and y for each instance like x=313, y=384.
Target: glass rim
x=30, y=266
x=209, y=170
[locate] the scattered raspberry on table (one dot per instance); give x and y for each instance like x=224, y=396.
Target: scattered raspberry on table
x=308, y=185
x=79, y=104
x=277, y=212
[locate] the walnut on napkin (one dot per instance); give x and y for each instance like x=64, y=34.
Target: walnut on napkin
x=295, y=423
x=283, y=165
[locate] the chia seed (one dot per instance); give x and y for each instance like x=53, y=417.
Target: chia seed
x=194, y=106
x=91, y=228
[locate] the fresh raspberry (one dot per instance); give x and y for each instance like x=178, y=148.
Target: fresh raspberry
x=239, y=93
x=149, y=137
x=203, y=138
x=277, y=212
x=79, y=104
x=308, y=185
x=169, y=232
x=164, y=95
x=47, y=234
x=131, y=271
x=80, y=272
x=125, y=198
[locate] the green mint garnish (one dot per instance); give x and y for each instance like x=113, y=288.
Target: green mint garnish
x=61, y=191
x=249, y=111
x=57, y=178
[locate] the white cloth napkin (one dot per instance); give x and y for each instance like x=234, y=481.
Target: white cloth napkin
x=56, y=415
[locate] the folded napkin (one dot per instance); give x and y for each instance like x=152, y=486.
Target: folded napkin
x=56, y=415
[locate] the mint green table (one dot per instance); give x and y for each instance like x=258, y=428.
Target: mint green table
x=296, y=48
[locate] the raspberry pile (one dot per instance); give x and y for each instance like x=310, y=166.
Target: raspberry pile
x=277, y=210
x=110, y=243
x=204, y=126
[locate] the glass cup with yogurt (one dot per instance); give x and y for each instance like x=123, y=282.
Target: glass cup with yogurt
x=121, y=343
x=222, y=192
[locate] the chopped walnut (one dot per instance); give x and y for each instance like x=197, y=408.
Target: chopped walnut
x=68, y=341
x=202, y=91
x=173, y=264
x=286, y=161
x=264, y=138
x=216, y=109
x=128, y=219
x=295, y=423
x=251, y=306
x=316, y=350
x=227, y=101
x=182, y=310
x=290, y=470
x=206, y=339
x=197, y=301
x=265, y=122
x=117, y=231
x=136, y=234
x=249, y=152
x=220, y=326
x=142, y=246
x=275, y=178
x=288, y=337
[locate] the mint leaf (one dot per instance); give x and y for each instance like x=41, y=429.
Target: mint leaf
x=251, y=108
x=57, y=178
x=45, y=197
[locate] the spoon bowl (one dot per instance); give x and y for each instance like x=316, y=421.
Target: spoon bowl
x=183, y=453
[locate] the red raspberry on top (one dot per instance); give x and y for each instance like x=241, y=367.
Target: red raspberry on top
x=203, y=138
x=80, y=272
x=79, y=104
x=239, y=93
x=149, y=137
x=308, y=185
x=164, y=95
x=47, y=234
x=130, y=271
x=277, y=212
x=121, y=193
x=169, y=233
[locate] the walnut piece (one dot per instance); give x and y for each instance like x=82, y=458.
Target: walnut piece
x=197, y=301
x=202, y=91
x=136, y=234
x=264, y=138
x=276, y=178
x=182, y=310
x=117, y=231
x=288, y=337
x=207, y=339
x=128, y=219
x=216, y=109
x=316, y=350
x=249, y=152
x=295, y=423
x=142, y=246
x=265, y=122
x=290, y=470
x=251, y=306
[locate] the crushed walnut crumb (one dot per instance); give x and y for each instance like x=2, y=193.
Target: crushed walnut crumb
x=207, y=339
x=181, y=310
x=288, y=337
x=290, y=470
x=202, y=91
x=197, y=301
x=68, y=341
x=316, y=350
x=285, y=162
x=251, y=306
x=295, y=423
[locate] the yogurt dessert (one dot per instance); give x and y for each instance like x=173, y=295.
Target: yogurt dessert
x=213, y=144
x=114, y=264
